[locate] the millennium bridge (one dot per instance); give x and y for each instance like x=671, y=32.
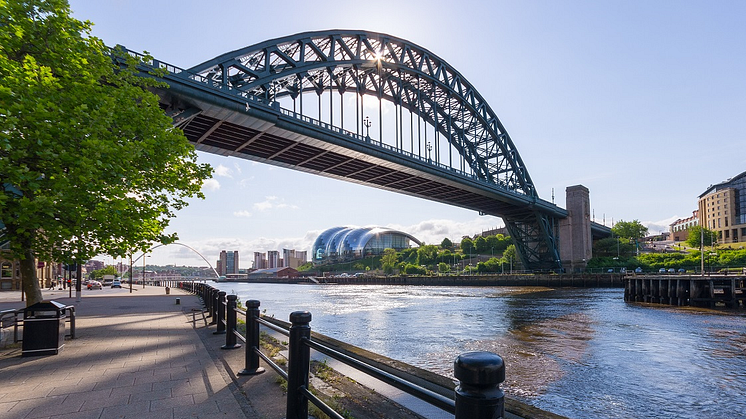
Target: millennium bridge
x=308, y=102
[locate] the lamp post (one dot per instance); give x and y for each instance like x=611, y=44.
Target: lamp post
x=131, y=276
x=367, y=124
x=428, y=148
x=143, y=269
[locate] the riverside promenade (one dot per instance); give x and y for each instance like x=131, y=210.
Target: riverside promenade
x=136, y=355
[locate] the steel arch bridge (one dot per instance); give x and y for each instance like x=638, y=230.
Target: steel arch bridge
x=235, y=104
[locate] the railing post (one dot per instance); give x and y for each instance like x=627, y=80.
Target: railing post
x=207, y=299
x=478, y=395
x=299, y=360
x=213, y=305
x=220, y=303
x=230, y=324
x=252, y=340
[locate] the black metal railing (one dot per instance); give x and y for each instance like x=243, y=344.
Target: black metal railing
x=477, y=396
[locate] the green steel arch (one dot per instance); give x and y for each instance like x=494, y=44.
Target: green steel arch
x=390, y=68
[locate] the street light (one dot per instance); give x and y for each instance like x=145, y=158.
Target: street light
x=143, y=270
x=367, y=124
x=428, y=148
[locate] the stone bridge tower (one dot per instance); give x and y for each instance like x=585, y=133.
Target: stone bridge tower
x=575, y=231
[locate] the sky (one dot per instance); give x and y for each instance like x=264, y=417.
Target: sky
x=642, y=102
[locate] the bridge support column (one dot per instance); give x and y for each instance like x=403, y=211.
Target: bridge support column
x=575, y=231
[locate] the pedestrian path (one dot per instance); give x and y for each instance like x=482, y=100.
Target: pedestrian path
x=136, y=355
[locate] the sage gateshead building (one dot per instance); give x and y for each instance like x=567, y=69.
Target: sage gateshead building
x=344, y=244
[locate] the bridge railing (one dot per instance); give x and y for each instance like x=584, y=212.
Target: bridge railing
x=478, y=395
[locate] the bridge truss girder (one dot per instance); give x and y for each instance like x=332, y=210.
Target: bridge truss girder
x=535, y=236
x=385, y=67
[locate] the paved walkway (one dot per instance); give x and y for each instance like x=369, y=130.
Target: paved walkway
x=136, y=355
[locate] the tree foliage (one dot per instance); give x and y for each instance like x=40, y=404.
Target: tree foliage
x=99, y=273
x=89, y=163
x=467, y=245
x=699, y=234
x=427, y=254
x=629, y=229
x=389, y=260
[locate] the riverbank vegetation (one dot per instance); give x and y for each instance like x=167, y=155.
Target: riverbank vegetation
x=497, y=254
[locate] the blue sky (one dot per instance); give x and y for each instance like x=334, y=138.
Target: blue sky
x=643, y=102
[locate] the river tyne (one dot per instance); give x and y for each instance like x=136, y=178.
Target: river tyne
x=581, y=353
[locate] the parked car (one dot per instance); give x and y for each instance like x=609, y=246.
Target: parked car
x=662, y=270
x=116, y=283
x=682, y=270
x=671, y=270
x=638, y=270
x=95, y=285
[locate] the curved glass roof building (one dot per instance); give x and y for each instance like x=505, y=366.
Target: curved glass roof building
x=349, y=243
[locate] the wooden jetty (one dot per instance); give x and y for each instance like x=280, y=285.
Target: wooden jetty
x=715, y=291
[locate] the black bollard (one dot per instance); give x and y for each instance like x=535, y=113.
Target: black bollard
x=478, y=395
x=221, y=314
x=230, y=324
x=299, y=360
x=252, y=340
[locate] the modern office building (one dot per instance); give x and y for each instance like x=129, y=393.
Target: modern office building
x=343, y=244
x=228, y=263
x=722, y=208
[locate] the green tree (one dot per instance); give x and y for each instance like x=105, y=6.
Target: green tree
x=480, y=245
x=389, y=260
x=467, y=245
x=446, y=244
x=99, y=273
x=511, y=255
x=612, y=246
x=427, y=254
x=629, y=230
x=443, y=267
x=697, y=234
x=89, y=162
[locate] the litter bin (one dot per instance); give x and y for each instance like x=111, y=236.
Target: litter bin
x=168, y=290
x=43, y=328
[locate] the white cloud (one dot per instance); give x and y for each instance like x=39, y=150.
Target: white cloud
x=273, y=202
x=657, y=227
x=243, y=213
x=434, y=231
x=223, y=171
x=211, y=185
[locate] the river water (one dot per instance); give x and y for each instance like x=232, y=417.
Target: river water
x=581, y=353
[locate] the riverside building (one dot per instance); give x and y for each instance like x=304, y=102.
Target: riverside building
x=722, y=208
x=344, y=244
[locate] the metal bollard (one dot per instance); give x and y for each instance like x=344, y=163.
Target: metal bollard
x=478, y=395
x=251, y=361
x=299, y=360
x=230, y=320
x=221, y=313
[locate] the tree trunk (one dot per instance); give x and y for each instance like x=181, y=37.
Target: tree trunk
x=29, y=281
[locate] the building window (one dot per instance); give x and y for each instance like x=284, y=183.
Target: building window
x=6, y=271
